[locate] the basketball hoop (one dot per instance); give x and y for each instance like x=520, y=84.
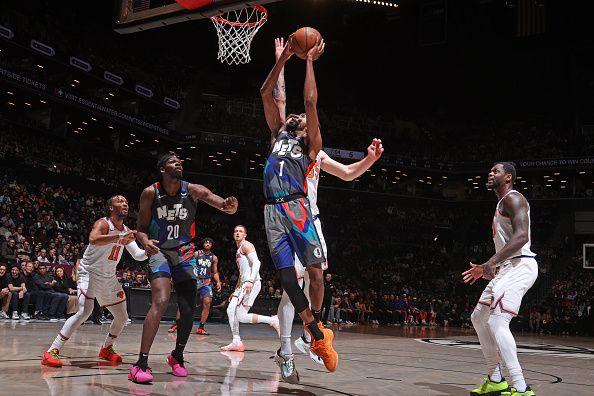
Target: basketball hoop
x=235, y=30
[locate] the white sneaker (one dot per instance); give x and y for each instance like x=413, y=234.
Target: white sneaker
x=304, y=347
x=275, y=324
x=25, y=316
x=4, y=315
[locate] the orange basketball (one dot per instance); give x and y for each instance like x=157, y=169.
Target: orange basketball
x=303, y=40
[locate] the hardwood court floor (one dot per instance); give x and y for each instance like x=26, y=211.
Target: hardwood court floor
x=373, y=361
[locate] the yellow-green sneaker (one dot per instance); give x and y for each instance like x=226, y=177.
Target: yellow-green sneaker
x=490, y=388
x=514, y=392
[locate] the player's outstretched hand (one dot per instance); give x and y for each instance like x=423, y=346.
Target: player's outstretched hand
x=475, y=272
x=279, y=46
x=230, y=205
x=317, y=50
x=375, y=149
x=151, y=247
x=127, y=236
x=283, y=49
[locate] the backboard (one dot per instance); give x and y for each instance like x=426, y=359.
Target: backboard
x=138, y=15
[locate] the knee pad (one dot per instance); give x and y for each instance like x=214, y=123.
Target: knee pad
x=289, y=282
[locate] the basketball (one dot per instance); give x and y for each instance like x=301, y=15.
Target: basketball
x=303, y=40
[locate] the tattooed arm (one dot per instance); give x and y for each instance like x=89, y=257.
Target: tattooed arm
x=515, y=207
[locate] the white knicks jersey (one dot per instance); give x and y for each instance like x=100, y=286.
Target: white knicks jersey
x=503, y=230
x=313, y=178
x=102, y=260
x=244, y=267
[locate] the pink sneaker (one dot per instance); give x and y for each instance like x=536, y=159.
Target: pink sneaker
x=234, y=347
x=176, y=368
x=139, y=375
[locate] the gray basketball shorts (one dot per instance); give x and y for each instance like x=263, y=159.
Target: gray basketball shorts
x=179, y=264
x=291, y=231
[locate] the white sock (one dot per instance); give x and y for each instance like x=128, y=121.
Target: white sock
x=496, y=374
x=499, y=327
x=286, y=347
x=236, y=339
x=286, y=313
x=58, y=342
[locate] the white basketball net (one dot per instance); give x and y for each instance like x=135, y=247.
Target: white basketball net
x=235, y=30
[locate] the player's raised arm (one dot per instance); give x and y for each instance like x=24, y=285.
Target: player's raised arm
x=227, y=205
x=99, y=234
x=352, y=171
x=310, y=100
x=271, y=111
x=144, y=220
x=279, y=92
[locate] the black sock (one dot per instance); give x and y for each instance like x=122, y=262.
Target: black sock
x=178, y=353
x=316, y=314
x=142, y=360
x=201, y=325
x=315, y=331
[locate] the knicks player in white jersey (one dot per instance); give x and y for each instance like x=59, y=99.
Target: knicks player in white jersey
x=97, y=279
x=246, y=290
x=286, y=311
x=511, y=272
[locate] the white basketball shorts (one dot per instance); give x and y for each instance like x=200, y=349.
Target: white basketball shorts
x=107, y=291
x=504, y=293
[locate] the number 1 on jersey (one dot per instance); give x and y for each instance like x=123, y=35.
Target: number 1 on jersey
x=282, y=163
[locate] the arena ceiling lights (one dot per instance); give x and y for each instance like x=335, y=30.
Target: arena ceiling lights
x=379, y=3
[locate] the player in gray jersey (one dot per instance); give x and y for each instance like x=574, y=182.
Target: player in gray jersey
x=286, y=312
x=295, y=143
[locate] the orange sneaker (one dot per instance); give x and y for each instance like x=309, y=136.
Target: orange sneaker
x=52, y=358
x=201, y=331
x=323, y=348
x=172, y=329
x=109, y=354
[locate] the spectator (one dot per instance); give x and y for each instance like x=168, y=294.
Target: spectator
x=55, y=303
x=140, y=281
x=9, y=252
x=16, y=285
x=42, y=258
x=24, y=252
x=5, y=294
x=67, y=285
x=329, y=290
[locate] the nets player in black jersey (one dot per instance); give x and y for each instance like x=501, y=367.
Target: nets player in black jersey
x=166, y=229
x=295, y=144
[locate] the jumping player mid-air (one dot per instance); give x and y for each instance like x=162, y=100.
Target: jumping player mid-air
x=502, y=297
x=294, y=146
x=246, y=290
x=97, y=279
x=166, y=229
x=286, y=311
